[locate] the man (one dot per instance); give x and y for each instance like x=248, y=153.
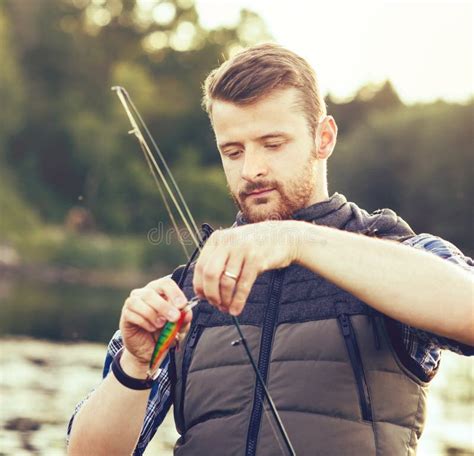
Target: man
x=345, y=312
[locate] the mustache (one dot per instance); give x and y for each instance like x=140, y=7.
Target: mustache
x=254, y=186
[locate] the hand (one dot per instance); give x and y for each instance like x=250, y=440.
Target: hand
x=144, y=314
x=245, y=252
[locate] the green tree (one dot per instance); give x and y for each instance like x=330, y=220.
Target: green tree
x=73, y=147
x=417, y=160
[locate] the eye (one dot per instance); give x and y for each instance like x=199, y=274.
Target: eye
x=233, y=155
x=273, y=146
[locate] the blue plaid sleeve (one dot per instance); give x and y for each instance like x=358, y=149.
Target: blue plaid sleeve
x=442, y=248
x=159, y=401
x=422, y=346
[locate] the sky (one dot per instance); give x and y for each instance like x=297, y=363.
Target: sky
x=425, y=47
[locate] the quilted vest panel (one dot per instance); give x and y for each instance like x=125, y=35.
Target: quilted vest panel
x=333, y=375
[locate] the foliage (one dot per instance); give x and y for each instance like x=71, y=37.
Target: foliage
x=17, y=215
x=55, y=246
x=73, y=148
x=11, y=84
x=64, y=141
x=416, y=160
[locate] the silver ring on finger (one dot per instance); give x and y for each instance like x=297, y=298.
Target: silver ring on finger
x=231, y=275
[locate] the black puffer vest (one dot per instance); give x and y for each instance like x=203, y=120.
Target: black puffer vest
x=325, y=355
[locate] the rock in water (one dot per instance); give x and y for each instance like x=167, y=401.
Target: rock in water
x=22, y=424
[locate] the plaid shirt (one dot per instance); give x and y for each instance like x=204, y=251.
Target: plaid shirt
x=422, y=347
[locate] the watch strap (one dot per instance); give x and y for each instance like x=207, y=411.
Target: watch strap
x=126, y=380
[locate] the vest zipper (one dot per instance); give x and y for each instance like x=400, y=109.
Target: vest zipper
x=187, y=357
x=356, y=362
x=266, y=343
x=375, y=331
x=172, y=374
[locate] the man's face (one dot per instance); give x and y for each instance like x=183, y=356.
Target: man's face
x=268, y=155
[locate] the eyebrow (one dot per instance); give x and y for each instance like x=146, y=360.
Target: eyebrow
x=272, y=135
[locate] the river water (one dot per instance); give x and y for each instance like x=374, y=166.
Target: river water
x=52, y=347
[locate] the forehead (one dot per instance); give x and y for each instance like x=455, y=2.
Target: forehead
x=280, y=111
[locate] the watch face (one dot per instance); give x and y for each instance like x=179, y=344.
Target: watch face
x=155, y=374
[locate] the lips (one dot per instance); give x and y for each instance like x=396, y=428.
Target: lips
x=261, y=192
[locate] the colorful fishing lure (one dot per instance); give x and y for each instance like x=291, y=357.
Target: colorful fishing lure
x=167, y=337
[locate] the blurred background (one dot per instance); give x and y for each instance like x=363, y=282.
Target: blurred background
x=78, y=204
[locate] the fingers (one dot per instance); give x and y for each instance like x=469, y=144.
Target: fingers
x=135, y=307
x=170, y=290
x=224, y=292
x=211, y=278
x=245, y=251
x=152, y=306
x=206, y=258
x=248, y=275
x=137, y=319
x=228, y=284
x=157, y=303
x=223, y=253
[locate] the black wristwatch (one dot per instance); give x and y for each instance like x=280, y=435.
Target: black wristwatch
x=126, y=380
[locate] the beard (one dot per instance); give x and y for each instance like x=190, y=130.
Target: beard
x=283, y=202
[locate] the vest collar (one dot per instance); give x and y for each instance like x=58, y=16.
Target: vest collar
x=335, y=212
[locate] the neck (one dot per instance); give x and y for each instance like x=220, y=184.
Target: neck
x=318, y=197
x=320, y=191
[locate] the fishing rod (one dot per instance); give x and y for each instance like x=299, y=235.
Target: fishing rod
x=171, y=329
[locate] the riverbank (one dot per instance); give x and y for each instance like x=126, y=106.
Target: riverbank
x=41, y=382
x=51, y=254
x=49, y=274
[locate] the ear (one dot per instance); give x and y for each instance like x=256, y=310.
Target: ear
x=325, y=139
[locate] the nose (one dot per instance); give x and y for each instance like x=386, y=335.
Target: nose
x=255, y=165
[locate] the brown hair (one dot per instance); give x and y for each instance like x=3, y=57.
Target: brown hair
x=256, y=71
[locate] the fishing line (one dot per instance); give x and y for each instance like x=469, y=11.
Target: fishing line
x=180, y=206
x=194, y=232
